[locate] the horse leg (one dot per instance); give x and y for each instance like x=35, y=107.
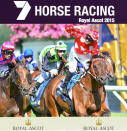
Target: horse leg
x=80, y=109
x=104, y=111
x=19, y=102
x=13, y=109
x=52, y=107
x=29, y=113
x=65, y=114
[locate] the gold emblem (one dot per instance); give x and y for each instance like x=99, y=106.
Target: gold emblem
x=28, y=122
x=98, y=122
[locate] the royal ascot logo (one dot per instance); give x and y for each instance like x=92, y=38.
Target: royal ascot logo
x=28, y=122
x=25, y=9
x=99, y=126
x=27, y=126
x=98, y=122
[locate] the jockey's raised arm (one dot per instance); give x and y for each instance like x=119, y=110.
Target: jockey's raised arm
x=74, y=30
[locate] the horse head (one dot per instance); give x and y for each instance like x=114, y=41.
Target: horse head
x=98, y=68
x=110, y=66
x=102, y=67
x=20, y=77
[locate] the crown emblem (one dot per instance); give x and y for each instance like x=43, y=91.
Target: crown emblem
x=28, y=122
x=98, y=122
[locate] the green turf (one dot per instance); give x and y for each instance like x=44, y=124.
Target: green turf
x=112, y=114
x=119, y=114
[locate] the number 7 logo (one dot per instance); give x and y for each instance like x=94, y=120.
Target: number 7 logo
x=25, y=9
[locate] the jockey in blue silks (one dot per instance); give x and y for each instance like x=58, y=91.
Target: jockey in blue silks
x=31, y=64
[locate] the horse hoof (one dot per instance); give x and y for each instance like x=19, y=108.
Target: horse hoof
x=105, y=114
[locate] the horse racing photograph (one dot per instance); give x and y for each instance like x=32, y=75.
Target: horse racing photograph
x=63, y=70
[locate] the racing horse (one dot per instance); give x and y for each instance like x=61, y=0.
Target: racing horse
x=88, y=93
x=40, y=109
x=12, y=89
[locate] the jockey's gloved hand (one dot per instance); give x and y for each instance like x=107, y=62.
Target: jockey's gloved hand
x=6, y=73
x=1, y=74
x=53, y=72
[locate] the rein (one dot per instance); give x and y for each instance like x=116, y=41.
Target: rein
x=92, y=74
x=82, y=85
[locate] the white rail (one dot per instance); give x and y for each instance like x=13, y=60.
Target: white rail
x=115, y=90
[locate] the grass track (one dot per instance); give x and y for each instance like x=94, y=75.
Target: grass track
x=112, y=114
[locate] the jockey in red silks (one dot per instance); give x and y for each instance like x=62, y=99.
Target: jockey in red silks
x=7, y=54
x=85, y=46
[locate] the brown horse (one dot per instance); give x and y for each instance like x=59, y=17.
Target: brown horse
x=27, y=107
x=12, y=90
x=43, y=110
x=88, y=94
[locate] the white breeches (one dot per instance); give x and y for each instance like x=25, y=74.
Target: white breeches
x=83, y=59
x=45, y=75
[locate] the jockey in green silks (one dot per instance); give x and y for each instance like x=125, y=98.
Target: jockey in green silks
x=50, y=58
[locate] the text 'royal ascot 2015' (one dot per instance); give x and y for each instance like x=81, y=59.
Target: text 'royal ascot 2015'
x=94, y=20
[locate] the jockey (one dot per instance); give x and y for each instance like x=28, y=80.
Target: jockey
x=85, y=46
x=30, y=62
x=50, y=58
x=7, y=55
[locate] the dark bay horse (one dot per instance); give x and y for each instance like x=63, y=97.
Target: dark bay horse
x=12, y=90
x=88, y=94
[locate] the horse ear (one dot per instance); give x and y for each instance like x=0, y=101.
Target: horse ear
x=100, y=53
x=23, y=60
x=106, y=53
x=14, y=61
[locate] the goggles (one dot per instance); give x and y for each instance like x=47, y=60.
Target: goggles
x=8, y=52
x=60, y=51
x=30, y=56
x=88, y=37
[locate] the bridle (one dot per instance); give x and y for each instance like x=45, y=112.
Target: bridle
x=91, y=72
x=16, y=75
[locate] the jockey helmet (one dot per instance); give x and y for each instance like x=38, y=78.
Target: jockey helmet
x=28, y=52
x=8, y=48
x=94, y=35
x=60, y=45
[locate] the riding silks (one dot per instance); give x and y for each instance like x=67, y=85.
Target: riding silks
x=35, y=101
x=70, y=85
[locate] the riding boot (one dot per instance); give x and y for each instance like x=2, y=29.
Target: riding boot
x=67, y=79
x=37, y=85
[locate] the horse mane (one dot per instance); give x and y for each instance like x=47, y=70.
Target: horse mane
x=97, y=56
x=105, y=54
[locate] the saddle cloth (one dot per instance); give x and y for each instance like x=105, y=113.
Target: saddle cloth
x=70, y=85
x=35, y=101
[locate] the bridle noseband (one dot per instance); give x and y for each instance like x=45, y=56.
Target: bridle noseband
x=16, y=74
